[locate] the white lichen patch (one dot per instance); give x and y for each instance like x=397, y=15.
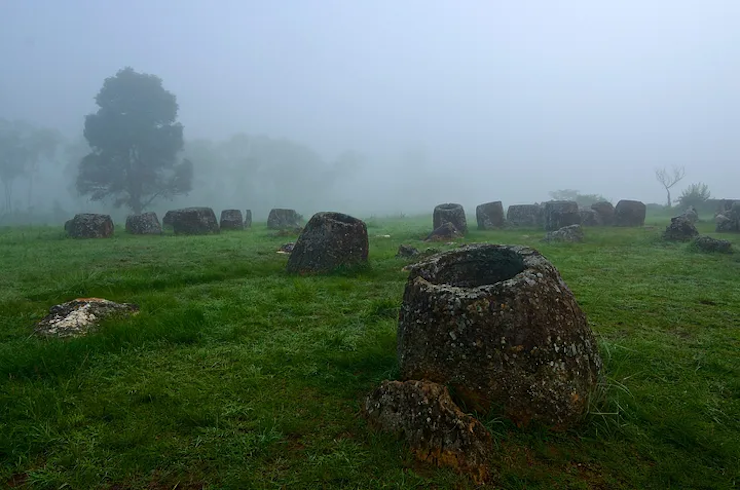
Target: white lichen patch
x=77, y=317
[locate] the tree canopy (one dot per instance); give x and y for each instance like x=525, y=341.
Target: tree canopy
x=135, y=142
x=22, y=148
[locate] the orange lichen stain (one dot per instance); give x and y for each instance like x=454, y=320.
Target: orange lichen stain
x=575, y=398
x=480, y=473
x=517, y=348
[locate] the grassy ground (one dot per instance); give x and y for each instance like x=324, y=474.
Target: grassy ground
x=238, y=376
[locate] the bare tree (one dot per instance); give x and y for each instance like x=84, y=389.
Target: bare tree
x=669, y=179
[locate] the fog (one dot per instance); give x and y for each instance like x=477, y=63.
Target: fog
x=441, y=101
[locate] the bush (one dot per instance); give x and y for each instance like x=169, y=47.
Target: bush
x=694, y=195
x=583, y=200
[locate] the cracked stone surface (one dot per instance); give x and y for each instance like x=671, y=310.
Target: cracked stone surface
x=438, y=432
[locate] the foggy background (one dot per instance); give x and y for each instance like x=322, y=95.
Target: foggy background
x=382, y=107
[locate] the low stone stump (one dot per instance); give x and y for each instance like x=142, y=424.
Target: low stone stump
x=450, y=213
x=708, y=244
x=89, y=225
x=572, y=233
x=329, y=241
x=444, y=233
x=499, y=326
x=143, y=224
x=407, y=251
x=231, y=219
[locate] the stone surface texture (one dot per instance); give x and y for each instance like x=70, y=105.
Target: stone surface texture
x=499, y=326
x=231, y=219
x=438, y=432
x=143, y=224
x=490, y=215
x=77, y=317
x=89, y=225
x=195, y=221
x=329, y=241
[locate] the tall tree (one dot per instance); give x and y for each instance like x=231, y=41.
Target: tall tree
x=135, y=142
x=41, y=145
x=669, y=179
x=13, y=158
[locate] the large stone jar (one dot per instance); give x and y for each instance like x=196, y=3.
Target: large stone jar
x=499, y=326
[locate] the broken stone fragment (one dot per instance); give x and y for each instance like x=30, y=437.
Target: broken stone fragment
x=445, y=232
x=406, y=251
x=450, y=213
x=77, y=317
x=572, y=233
x=438, y=432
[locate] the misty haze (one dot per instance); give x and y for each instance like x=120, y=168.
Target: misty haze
x=387, y=107
x=387, y=244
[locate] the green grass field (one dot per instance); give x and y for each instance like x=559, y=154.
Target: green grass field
x=236, y=375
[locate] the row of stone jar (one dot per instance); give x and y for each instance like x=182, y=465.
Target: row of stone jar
x=551, y=215
x=186, y=221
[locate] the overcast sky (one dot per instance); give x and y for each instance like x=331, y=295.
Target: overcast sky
x=511, y=99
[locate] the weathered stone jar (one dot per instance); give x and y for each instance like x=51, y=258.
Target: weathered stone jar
x=499, y=326
x=329, y=241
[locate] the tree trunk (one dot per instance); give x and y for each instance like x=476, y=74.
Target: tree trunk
x=136, y=206
x=669, y=196
x=7, y=185
x=30, y=190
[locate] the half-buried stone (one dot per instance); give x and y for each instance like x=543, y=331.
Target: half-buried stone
x=499, y=326
x=329, y=241
x=195, y=221
x=231, y=219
